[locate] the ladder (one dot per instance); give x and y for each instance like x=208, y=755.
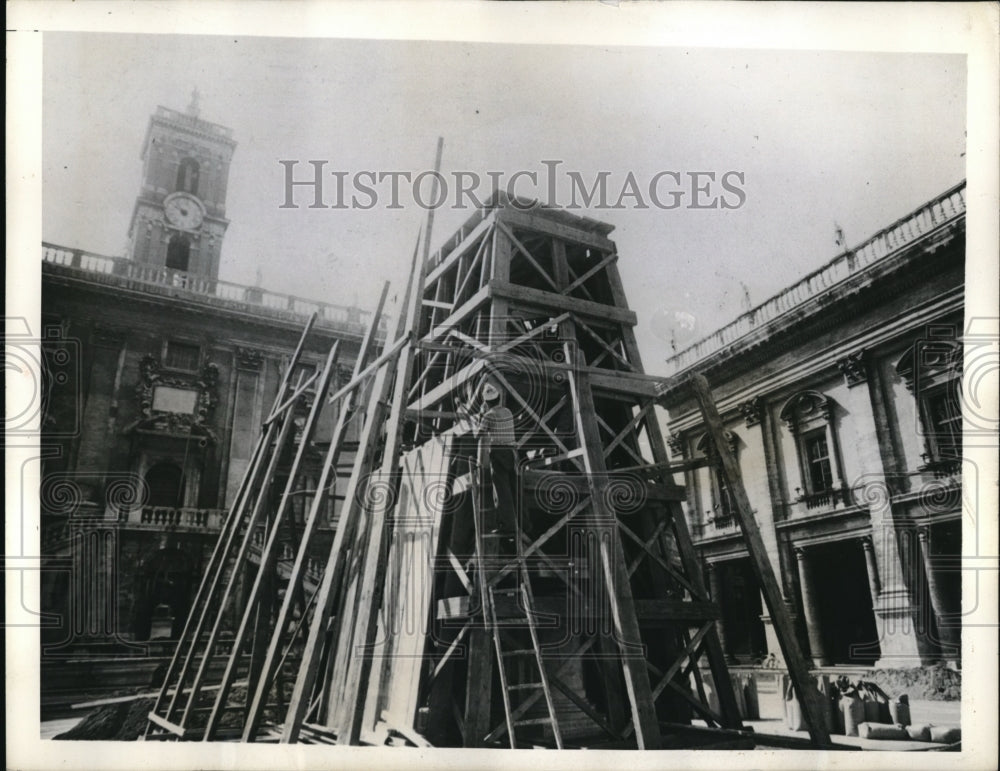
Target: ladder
x=508, y=634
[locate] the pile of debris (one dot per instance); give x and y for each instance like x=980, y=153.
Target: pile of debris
x=933, y=683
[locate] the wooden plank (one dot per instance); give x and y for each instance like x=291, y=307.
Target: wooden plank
x=404, y=730
x=798, y=669
x=166, y=724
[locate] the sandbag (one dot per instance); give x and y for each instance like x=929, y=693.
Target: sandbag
x=921, y=733
x=854, y=713
x=793, y=710
x=882, y=731
x=751, y=700
x=946, y=734
x=899, y=710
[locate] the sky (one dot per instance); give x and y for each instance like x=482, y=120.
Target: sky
x=821, y=139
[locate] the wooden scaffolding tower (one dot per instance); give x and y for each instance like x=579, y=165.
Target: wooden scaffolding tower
x=591, y=628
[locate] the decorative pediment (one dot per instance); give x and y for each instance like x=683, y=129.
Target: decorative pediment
x=176, y=403
x=806, y=408
x=706, y=446
x=930, y=362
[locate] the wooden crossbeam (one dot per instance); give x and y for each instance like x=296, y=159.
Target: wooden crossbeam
x=611, y=258
x=603, y=343
x=629, y=427
x=646, y=547
x=451, y=649
x=528, y=256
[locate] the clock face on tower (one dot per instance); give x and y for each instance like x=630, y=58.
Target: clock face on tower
x=183, y=211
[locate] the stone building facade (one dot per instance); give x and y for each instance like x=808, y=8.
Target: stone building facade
x=841, y=397
x=158, y=377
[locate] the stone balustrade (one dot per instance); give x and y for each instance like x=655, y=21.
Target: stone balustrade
x=920, y=224
x=105, y=268
x=209, y=520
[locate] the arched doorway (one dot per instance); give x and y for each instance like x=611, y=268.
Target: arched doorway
x=165, y=482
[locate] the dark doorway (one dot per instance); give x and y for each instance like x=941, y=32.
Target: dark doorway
x=165, y=482
x=178, y=253
x=844, y=601
x=741, y=604
x=164, y=592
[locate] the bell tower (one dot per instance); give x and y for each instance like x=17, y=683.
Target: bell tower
x=179, y=218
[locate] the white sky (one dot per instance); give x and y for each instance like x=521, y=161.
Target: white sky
x=859, y=139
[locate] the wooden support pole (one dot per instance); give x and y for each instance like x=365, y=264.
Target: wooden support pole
x=798, y=670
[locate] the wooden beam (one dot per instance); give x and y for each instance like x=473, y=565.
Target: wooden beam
x=798, y=669
x=551, y=300
x=542, y=224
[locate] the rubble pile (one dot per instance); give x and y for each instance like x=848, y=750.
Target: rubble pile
x=932, y=683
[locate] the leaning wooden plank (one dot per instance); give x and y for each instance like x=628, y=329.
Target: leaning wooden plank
x=798, y=669
x=371, y=588
x=136, y=697
x=298, y=568
x=405, y=731
x=309, y=665
x=267, y=555
x=166, y=724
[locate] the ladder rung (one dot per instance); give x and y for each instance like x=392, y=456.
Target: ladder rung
x=533, y=721
x=520, y=652
x=524, y=687
x=506, y=591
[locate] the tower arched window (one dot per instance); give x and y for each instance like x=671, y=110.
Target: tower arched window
x=187, y=176
x=178, y=253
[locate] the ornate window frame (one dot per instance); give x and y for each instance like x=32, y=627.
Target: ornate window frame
x=932, y=369
x=807, y=414
x=723, y=506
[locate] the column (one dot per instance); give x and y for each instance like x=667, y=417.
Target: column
x=946, y=630
x=715, y=587
x=873, y=581
x=246, y=417
x=895, y=613
x=810, y=611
